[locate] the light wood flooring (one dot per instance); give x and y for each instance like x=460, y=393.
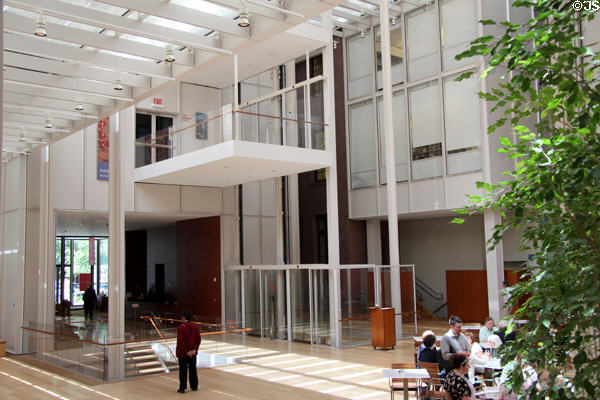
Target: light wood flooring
x=270, y=369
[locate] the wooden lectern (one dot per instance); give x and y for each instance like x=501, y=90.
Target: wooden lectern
x=383, y=327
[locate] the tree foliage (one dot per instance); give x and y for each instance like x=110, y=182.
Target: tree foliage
x=551, y=102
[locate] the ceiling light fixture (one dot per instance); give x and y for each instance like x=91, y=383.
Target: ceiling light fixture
x=393, y=20
x=48, y=121
x=118, y=83
x=22, y=137
x=169, y=53
x=362, y=33
x=244, y=18
x=40, y=26
x=79, y=105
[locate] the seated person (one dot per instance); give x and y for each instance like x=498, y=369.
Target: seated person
x=502, y=332
x=422, y=346
x=486, y=330
x=477, y=358
x=454, y=342
x=429, y=353
x=459, y=387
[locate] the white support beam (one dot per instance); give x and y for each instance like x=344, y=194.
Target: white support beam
x=73, y=70
x=363, y=10
x=183, y=14
x=252, y=9
x=39, y=118
x=52, y=111
x=33, y=127
x=339, y=12
x=44, y=48
x=17, y=23
x=38, y=91
x=117, y=23
x=47, y=105
x=16, y=134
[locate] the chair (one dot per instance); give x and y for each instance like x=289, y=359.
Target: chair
x=435, y=380
x=398, y=384
x=435, y=394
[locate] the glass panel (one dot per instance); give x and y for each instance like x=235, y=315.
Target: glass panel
x=103, y=269
x=66, y=288
x=397, y=53
x=407, y=296
x=249, y=124
x=68, y=252
x=358, y=294
x=422, y=43
x=252, y=300
x=463, y=124
x=458, y=28
x=269, y=129
x=58, y=251
x=362, y=145
x=162, y=137
x=81, y=265
x=233, y=303
x=400, y=138
x=143, y=134
x=426, y=131
x=294, y=110
x=359, y=63
x=274, y=305
x=317, y=113
x=300, y=304
x=321, y=333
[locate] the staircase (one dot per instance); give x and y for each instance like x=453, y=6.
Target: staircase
x=422, y=290
x=141, y=359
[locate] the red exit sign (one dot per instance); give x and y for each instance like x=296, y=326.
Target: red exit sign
x=157, y=101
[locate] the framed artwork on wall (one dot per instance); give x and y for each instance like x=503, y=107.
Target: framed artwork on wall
x=201, y=129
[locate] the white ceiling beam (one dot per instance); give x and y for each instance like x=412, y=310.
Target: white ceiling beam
x=252, y=9
x=52, y=111
x=16, y=132
x=120, y=24
x=47, y=104
x=44, y=48
x=69, y=69
x=11, y=87
x=391, y=7
x=363, y=10
x=340, y=13
x=183, y=14
x=17, y=23
x=34, y=127
x=39, y=119
x=347, y=26
x=65, y=84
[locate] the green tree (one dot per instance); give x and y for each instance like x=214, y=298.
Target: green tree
x=553, y=195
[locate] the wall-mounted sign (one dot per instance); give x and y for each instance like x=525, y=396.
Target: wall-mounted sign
x=201, y=127
x=157, y=101
x=102, y=168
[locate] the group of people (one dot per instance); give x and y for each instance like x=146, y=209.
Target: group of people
x=460, y=356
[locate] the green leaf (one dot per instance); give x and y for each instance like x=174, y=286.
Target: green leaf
x=457, y=221
x=505, y=141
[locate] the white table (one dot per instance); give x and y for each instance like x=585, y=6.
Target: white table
x=488, y=393
x=405, y=374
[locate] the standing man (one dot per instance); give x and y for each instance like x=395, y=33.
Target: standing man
x=188, y=341
x=454, y=342
x=89, y=300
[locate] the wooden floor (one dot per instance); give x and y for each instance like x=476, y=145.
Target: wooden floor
x=271, y=370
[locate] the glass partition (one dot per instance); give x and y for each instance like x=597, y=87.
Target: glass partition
x=357, y=287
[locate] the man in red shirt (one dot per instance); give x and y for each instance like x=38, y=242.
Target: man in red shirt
x=188, y=341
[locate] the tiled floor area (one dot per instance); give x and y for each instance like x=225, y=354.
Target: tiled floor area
x=269, y=369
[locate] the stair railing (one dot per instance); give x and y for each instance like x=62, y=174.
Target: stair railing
x=425, y=288
x=154, y=323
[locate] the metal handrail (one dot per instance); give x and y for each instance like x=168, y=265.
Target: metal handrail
x=428, y=290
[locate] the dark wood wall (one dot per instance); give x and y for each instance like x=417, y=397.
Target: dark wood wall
x=199, y=266
x=466, y=291
x=135, y=260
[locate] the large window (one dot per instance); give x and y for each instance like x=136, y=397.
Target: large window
x=422, y=43
x=360, y=65
x=458, y=28
x=426, y=130
x=463, y=125
x=362, y=145
x=397, y=55
x=400, y=138
x=152, y=139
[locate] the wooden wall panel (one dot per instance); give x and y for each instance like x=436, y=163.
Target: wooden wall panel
x=406, y=295
x=467, y=294
x=199, y=266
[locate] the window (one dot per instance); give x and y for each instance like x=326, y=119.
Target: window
x=400, y=139
x=362, y=145
x=397, y=55
x=322, y=256
x=422, y=43
x=458, y=28
x=152, y=140
x=426, y=130
x=463, y=127
x=360, y=65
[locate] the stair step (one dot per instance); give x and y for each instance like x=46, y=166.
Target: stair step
x=151, y=370
x=140, y=351
x=147, y=363
x=146, y=357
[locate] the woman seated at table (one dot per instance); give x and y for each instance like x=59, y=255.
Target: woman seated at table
x=429, y=353
x=478, y=357
x=456, y=383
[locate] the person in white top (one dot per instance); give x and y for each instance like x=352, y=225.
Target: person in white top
x=478, y=357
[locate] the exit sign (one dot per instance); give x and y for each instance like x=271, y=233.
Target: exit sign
x=157, y=101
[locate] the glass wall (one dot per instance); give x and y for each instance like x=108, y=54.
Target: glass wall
x=437, y=121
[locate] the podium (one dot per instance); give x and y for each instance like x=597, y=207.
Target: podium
x=383, y=328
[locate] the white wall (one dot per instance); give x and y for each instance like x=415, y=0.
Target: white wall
x=260, y=226
x=195, y=98
x=162, y=249
x=12, y=252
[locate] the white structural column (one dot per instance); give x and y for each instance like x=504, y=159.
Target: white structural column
x=47, y=263
x=495, y=267
x=280, y=274
x=333, y=231
x=390, y=161
x=116, y=253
